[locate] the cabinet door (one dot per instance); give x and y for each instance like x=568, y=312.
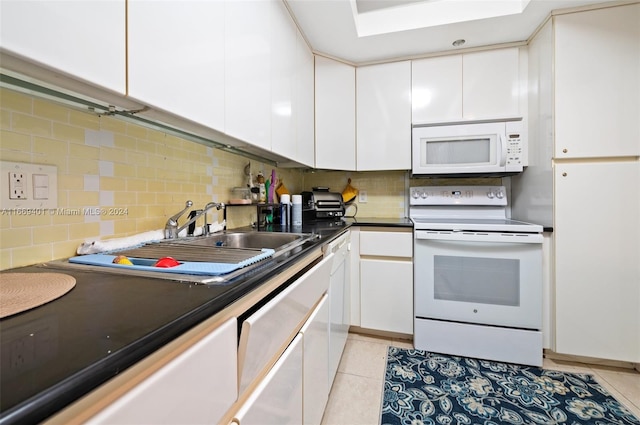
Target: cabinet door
x=315, y=376
x=335, y=115
x=339, y=311
x=83, y=39
x=248, y=71
x=386, y=295
x=383, y=97
x=272, y=326
x=176, y=58
x=436, y=89
x=283, y=71
x=490, y=84
x=304, y=103
x=278, y=398
x=597, y=83
x=199, y=386
x=597, y=223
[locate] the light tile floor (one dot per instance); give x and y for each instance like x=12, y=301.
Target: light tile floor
x=356, y=394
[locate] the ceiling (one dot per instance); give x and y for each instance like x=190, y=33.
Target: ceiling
x=369, y=31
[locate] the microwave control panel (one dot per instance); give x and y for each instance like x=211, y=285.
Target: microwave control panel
x=514, y=149
x=516, y=157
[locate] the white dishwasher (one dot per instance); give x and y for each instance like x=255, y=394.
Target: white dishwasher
x=339, y=310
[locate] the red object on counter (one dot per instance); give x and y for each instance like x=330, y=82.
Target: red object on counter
x=166, y=262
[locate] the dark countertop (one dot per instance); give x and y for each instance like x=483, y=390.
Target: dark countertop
x=54, y=354
x=379, y=222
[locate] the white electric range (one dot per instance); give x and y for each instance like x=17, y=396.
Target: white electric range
x=477, y=275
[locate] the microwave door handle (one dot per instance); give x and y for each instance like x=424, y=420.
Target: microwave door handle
x=503, y=150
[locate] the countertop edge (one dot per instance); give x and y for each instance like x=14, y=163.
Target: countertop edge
x=101, y=397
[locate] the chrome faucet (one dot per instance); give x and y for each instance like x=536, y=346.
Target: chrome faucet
x=171, y=229
x=218, y=206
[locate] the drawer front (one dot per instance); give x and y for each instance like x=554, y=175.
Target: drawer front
x=198, y=387
x=266, y=331
x=315, y=376
x=386, y=244
x=277, y=399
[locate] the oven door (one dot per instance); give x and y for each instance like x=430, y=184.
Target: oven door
x=483, y=278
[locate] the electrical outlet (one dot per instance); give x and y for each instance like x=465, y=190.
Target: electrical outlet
x=17, y=188
x=28, y=186
x=362, y=196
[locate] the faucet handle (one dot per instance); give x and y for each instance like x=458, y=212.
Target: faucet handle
x=187, y=205
x=171, y=228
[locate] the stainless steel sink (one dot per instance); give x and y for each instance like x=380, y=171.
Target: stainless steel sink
x=276, y=241
x=224, y=247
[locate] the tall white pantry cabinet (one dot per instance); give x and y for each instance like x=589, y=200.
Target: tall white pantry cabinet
x=597, y=182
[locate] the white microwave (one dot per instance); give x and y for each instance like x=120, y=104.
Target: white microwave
x=489, y=148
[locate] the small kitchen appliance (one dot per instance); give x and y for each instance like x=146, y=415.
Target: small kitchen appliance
x=320, y=204
x=477, y=275
x=480, y=148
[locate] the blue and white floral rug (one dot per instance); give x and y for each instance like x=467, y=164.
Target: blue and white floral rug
x=436, y=389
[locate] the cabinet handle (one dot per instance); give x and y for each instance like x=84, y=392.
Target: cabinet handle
x=564, y=174
x=564, y=150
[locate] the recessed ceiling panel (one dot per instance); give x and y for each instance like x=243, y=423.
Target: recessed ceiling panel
x=336, y=27
x=424, y=14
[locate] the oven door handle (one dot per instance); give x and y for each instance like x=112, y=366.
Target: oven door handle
x=462, y=236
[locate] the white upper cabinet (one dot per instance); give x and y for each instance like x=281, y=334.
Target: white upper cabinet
x=82, y=39
x=471, y=86
x=283, y=72
x=490, y=84
x=597, y=88
x=383, y=96
x=176, y=58
x=335, y=102
x=248, y=102
x=303, y=103
x=436, y=89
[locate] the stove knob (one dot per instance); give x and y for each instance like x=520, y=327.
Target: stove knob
x=490, y=195
x=499, y=194
x=424, y=195
x=415, y=194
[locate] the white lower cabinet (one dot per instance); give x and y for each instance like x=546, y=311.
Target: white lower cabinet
x=296, y=388
x=197, y=387
x=278, y=398
x=339, y=305
x=266, y=331
x=597, y=253
x=386, y=280
x=386, y=298
x=272, y=383
x=315, y=375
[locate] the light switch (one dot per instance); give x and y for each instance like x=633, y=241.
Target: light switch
x=40, y=186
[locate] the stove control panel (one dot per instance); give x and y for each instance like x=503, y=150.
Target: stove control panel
x=458, y=195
